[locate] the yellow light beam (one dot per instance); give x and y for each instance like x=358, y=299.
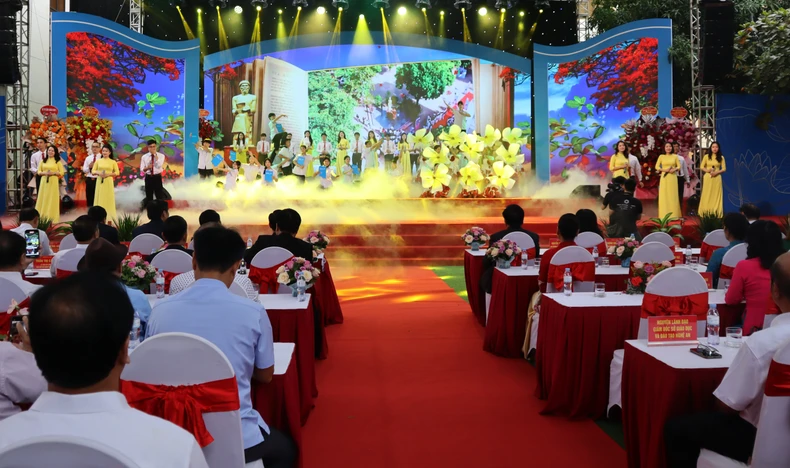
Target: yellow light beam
x=190, y=34
x=362, y=32
x=428, y=29
x=338, y=27
x=255, y=40
x=295, y=26
x=499, y=42
x=282, y=36
x=388, y=42
x=441, y=23
x=223, y=37
x=467, y=34
x=201, y=32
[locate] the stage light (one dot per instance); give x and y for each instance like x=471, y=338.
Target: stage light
x=298, y=8
x=300, y=3
x=223, y=3
x=463, y=3
x=424, y=10
x=280, y=11
x=321, y=10
x=402, y=11
x=503, y=4
x=521, y=13
x=441, y=13
x=362, y=17
x=541, y=3
x=381, y=3
x=340, y=3
x=260, y=3
x=482, y=11
x=540, y=11
x=258, y=8
x=340, y=9
x=423, y=4
x=238, y=9
x=199, y=11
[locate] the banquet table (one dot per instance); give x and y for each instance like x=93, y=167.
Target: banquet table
x=40, y=276
x=278, y=401
x=473, y=270
x=576, y=341
x=326, y=295
x=659, y=383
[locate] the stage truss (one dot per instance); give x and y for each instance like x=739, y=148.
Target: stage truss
x=136, y=10
x=703, y=97
x=17, y=113
x=584, y=30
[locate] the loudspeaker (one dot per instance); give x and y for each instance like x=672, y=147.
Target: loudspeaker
x=586, y=191
x=9, y=52
x=718, y=33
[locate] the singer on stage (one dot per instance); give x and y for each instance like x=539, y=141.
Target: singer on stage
x=151, y=167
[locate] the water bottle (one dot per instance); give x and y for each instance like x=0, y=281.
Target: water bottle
x=243, y=267
x=595, y=255
x=524, y=260
x=567, y=281
x=249, y=242
x=134, y=334
x=160, y=285
x=713, y=325
x=688, y=253
x=301, y=286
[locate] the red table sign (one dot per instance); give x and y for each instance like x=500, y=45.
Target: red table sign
x=680, y=258
x=679, y=112
x=677, y=241
x=554, y=243
x=47, y=111
x=708, y=279
x=672, y=329
x=649, y=110
x=42, y=263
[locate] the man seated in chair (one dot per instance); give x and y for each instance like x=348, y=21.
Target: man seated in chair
x=13, y=261
x=157, y=211
x=567, y=230
x=514, y=219
x=99, y=214
x=174, y=232
x=288, y=222
x=28, y=219
x=85, y=229
x=79, y=335
x=731, y=431
x=735, y=227
x=238, y=326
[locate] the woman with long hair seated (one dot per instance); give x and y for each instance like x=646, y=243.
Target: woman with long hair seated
x=751, y=280
x=588, y=222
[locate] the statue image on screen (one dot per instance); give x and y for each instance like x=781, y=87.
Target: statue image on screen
x=244, y=106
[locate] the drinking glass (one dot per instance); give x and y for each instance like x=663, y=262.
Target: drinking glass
x=694, y=263
x=734, y=337
x=605, y=262
x=537, y=263
x=600, y=290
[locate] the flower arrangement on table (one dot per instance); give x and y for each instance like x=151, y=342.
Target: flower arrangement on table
x=475, y=236
x=503, y=252
x=318, y=240
x=137, y=273
x=642, y=274
x=624, y=249
x=286, y=274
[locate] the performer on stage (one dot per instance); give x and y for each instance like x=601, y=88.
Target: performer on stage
x=324, y=149
x=286, y=157
x=404, y=157
x=205, y=166
x=308, y=142
x=263, y=147
x=342, y=148
x=356, y=150
x=713, y=165
x=87, y=168
x=635, y=168
x=325, y=173
x=388, y=147
x=459, y=114
x=301, y=162
x=618, y=163
x=35, y=160
x=684, y=175
x=151, y=166
x=231, y=175
x=244, y=106
x=277, y=132
x=269, y=173
x=347, y=170
x=106, y=169
x=668, y=165
x=51, y=171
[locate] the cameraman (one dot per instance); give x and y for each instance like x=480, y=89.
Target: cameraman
x=626, y=210
x=614, y=190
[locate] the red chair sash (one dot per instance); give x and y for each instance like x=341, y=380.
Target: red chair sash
x=654, y=305
x=707, y=250
x=169, y=275
x=531, y=252
x=5, y=319
x=726, y=272
x=184, y=405
x=581, y=271
x=266, y=277
x=778, y=382
x=60, y=274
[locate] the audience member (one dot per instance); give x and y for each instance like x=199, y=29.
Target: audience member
x=237, y=326
x=588, y=222
x=13, y=261
x=85, y=229
x=751, y=280
x=157, y=211
x=567, y=230
x=174, y=232
x=288, y=222
x=731, y=431
x=79, y=332
x=103, y=257
x=751, y=212
x=21, y=381
x=209, y=216
x=28, y=219
x=625, y=211
x=106, y=231
x=273, y=221
x=735, y=227
x=514, y=219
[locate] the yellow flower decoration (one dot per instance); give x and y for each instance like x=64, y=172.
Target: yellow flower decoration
x=436, y=179
x=511, y=155
x=491, y=136
x=434, y=158
x=471, y=176
x=421, y=139
x=453, y=137
x=472, y=148
x=502, y=176
x=513, y=136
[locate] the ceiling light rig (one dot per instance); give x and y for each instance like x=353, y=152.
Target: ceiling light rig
x=300, y=3
x=258, y=3
x=381, y=3
x=423, y=4
x=463, y=4
x=542, y=3
x=340, y=3
x=504, y=4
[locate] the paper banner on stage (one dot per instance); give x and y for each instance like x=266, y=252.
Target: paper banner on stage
x=284, y=92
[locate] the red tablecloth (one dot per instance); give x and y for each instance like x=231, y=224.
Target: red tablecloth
x=613, y=282
x=507, y=313
x=326, y=297
x=278, y=404
x=654, y=392
x=296, y=326
x=473, y=270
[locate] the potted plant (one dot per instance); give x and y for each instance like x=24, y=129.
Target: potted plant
x=707, y=223
x=126, y=223
x=318, y=240
x=667, y=224
x=137, y=273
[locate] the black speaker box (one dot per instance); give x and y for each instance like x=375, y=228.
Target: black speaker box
x=718, y=33
x=9, y=53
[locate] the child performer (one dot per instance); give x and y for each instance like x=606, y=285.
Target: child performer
x=347, y=170
x=269, y=173
x=231, y=175
x=325, y=173
x=300, y=163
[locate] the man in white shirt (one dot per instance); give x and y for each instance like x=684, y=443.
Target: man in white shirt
x=388, y=147
x=324, y=148
x=262, y=148
x=79, y=331
x=87, y=167
x=731, y=432
x=635, y=169
x=286, y=156
x=151, y=166
x=459, y=114
x=684, y=178
x=85, y=229
x=28, y=219
x=36, y=159
x=356, y=151
x=21, y=381
x=13, y=262
x=205, y=166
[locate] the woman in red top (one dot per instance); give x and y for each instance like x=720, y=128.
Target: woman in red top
x=751, y=280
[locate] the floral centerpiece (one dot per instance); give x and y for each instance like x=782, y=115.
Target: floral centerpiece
x=475, y=236
x=287, y=274
x=503, y=252
x=642, y=274
x=318, y=240
x=137, y=273
x=624, y=250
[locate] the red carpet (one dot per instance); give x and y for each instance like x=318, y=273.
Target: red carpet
x=409, y=385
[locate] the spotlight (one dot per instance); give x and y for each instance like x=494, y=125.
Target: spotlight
x=199, y=11
x=463, y=4
x=540, y=11
x=340, y=9
x=521, y=13
x=423, y=4
x=381, y=3
x=482, y=11
x=280, y=11
x=362, y=17
x=298, y=8
x=223, y=3
x=424, y=9
x=503, y=4
x=321, y=10
x=441, y=13
x=300, y=3
x=238, y=9
x=402, y=11
x=258, y=8
x=259, y=3
x=340, y=3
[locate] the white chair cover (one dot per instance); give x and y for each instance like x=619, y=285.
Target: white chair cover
x=653, y=252
x=63, y=452
x=174, y=261
x=70, y=260
x=68, y=242
x=716, y=238
x=589, y=240
x=145, y=243
x=184, y=359
x=236, y=289
x=662, y=237
x=522, y=239
x=270, y=256
x=573, y=254
x=8, y=292
x=672, y=282
x=730, y=259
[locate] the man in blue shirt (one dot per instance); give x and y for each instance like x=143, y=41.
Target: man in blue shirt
x=237, y=326
x=735, y=227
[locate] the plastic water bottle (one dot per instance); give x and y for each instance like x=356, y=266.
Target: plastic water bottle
x=243, y=267
x=595, y=255
x=524, y=259
x=134, y=334
x=688, y=253
x=713, y=325
x=301, y=286
x=567, y=281
x=160, y=285
x=249, y=242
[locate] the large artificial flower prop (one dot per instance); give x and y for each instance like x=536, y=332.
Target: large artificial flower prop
x=453, y=137
x=471, y=177
x=434, y=157
x=501, y=177
x=435, y=180
x=472, y=148
x=511, y=155
x=514, y=136
x=491, y=137
x=422, y=138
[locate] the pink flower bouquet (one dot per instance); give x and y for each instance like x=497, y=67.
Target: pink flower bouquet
x=642, y=274
x=318, y=240
x=137, y=273
x=474, y=237
x=503, y=252
x=286, y=274
x=624, y=248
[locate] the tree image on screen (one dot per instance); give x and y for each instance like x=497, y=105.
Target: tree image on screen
x=426, y=80
x=334, y=111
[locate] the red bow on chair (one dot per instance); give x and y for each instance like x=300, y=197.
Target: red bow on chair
x=184, y=405
x=517, y=260
x=169, y=275
x=581, y=271
x=5, y=319
x=266, y=277
x=60, y=274
x=654, y=305
x=706, y=250
x=778, y=382
x=726, y=272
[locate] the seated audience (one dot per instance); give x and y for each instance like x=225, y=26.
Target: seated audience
x=588, y=222
x=624, y=211
x=174, y=232
x=751, y=280
x=209, y=216
x=13, y=261
x=85, y=229
x=157, y=211
x=288, y=222
x=28, y=219
x=731, y=430
x=106, y=231
x=735, y=227
x=514, y=219
x=751, y=212
x=567, y=230
x=237, y=326
x=103, y=257
x=79, y=332
x=21, y=381
x=273, y=221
